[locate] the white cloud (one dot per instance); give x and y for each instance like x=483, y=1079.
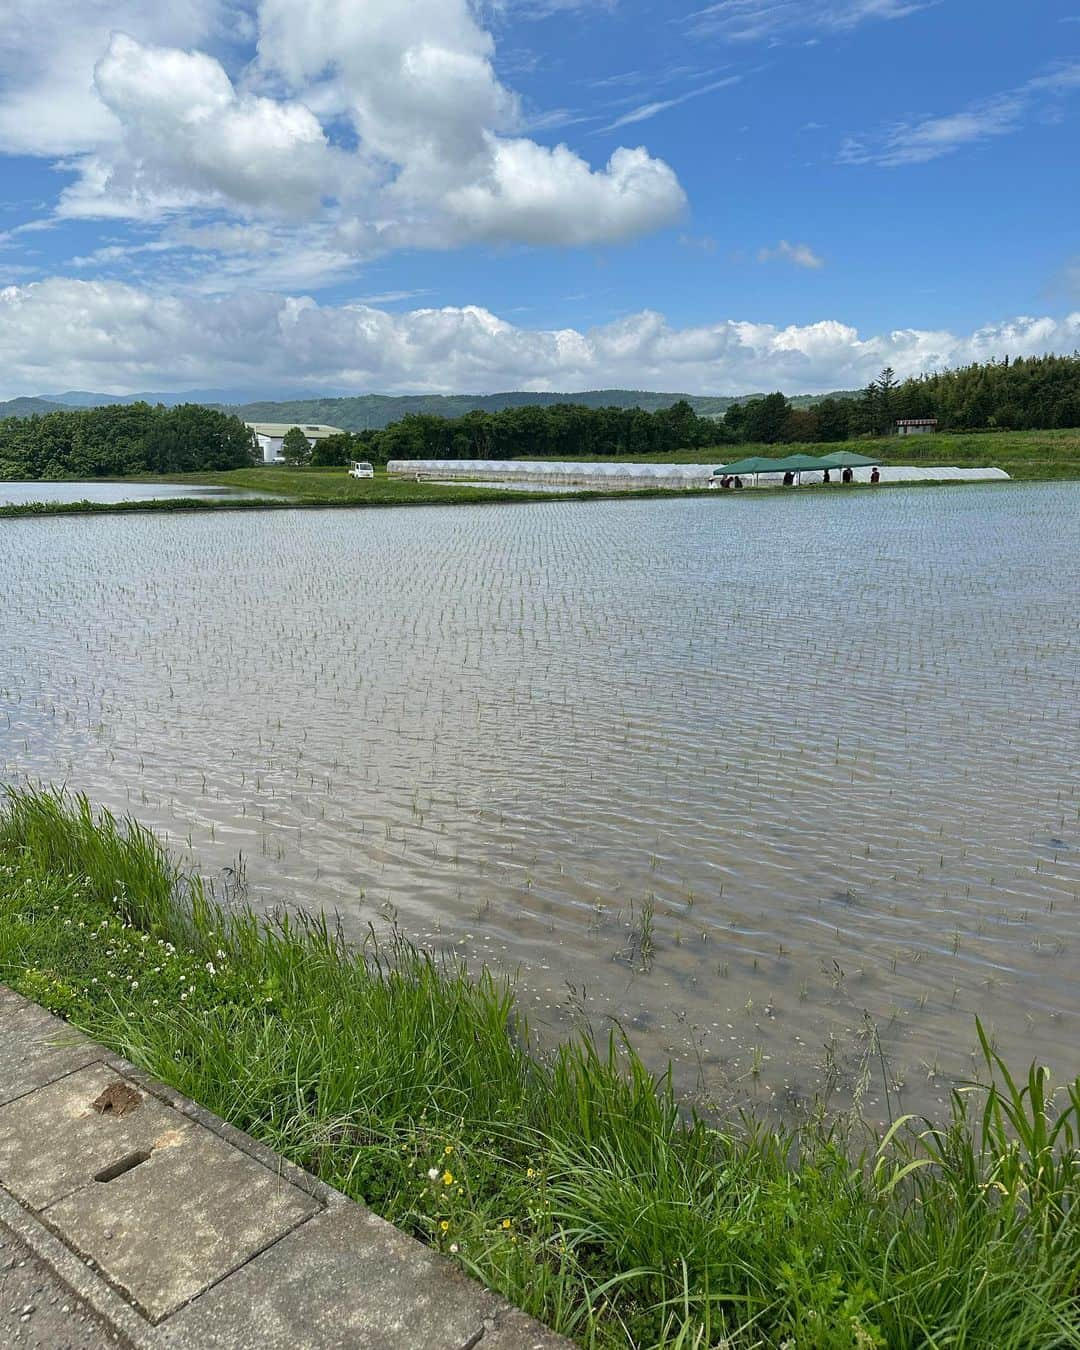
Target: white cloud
x=802, y=255
x=117, y=338
x=384, y=123
x=645, y=111
x=927, y=138
x=753, y=20
x=539, y=196
x=189, y=139
x=48, y=51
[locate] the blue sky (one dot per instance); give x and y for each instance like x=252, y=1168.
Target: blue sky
x=360, y=195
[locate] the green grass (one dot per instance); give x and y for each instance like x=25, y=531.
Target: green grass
x=1025, y=455
x=573, y=1182
x=1045, y=455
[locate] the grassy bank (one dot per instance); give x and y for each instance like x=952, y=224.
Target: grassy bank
x=290, y=488
x=574, y=1184
x=1024, y=455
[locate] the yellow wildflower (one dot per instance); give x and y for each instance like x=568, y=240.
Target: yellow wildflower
x=445, y=1226
x=507, y=1223
x=448, y=1178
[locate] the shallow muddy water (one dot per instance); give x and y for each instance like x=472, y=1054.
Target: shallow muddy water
x=746, y=775
x=12, y=494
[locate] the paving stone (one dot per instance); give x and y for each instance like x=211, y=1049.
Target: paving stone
x=177, y=1223
x=84, y=1141
x=36, y=1047
x=511, y=1329
x=191, y=1238
x=38, y=1310
x=344, y=1281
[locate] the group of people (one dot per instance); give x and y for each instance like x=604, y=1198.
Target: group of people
x=846, y=476
x=732, y=481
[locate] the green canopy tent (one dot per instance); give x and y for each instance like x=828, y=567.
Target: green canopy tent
x=755, y=464
x=846, y=459
x=799, y=464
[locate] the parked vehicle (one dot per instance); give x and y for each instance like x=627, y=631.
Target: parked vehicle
x=361, y=469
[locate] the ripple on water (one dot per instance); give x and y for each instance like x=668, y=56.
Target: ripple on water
x=828, y=744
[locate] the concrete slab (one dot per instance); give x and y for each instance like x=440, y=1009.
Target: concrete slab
x=345, y=1281
x=510, y=1329
x=86, y=1141
x=176, y=1231
x=36, y=1047
x=38, y=1310
x=173, y=1225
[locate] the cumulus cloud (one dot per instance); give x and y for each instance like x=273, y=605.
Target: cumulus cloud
x=188, y=138
x=118, y=338
x=48, y=51
x=386, y=120
x=541, y=196
x=420, y=88
x=802, y=255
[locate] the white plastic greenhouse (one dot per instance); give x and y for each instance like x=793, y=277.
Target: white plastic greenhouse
x=640, y=476
x=555, y=474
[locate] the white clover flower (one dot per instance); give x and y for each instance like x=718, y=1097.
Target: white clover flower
x=433, y=1174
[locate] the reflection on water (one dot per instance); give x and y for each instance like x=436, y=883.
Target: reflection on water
x=828, y=745
x=12, y=494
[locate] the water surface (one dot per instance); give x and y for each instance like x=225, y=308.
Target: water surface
x=829, y=745
x=111, y=491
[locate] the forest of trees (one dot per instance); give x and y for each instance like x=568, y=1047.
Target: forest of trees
x=1033, y=393
x=566, y=430
x=123, y=439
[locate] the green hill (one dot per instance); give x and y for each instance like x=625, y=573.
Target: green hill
x=376, y=411
x=27, y=407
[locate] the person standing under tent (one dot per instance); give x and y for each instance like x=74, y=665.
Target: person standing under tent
x=847, y=477
x=875, y=476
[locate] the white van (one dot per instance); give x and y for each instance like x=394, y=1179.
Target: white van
x=361, y=469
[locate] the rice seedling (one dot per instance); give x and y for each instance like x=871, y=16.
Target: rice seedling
x=532, y=707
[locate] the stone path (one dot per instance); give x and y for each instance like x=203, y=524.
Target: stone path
x=130, y=1216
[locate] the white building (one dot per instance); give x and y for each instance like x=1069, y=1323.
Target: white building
x=271, y=434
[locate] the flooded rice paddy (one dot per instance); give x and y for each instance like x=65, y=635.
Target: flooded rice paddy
x=751, y=777
x=17, y=494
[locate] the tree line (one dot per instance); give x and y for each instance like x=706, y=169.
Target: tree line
x=563, y=431
x=1026, y=394
x=124, y=439
x=1032, y=393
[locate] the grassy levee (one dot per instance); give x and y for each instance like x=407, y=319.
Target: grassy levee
x=1025, y=455
x=572, y=1182
x=1031, y=455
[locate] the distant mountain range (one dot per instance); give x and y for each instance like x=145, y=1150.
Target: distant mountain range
x=375, y=411
x=81, y=398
